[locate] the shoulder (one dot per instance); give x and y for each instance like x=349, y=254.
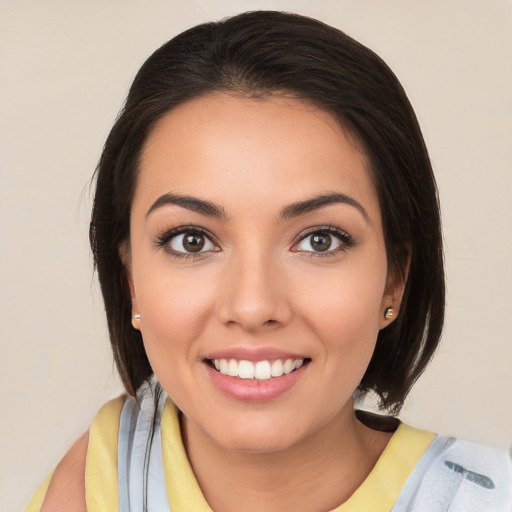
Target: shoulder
x=86, y=465
x=66, y=491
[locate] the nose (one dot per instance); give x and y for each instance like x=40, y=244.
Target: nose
x=254, y=295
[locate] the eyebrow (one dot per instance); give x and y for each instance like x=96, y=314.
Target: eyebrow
x=190, y=203
x=319, y=201
x=292, y=210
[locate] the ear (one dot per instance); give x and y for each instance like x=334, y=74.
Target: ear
x=394, y=292
x=126, y=258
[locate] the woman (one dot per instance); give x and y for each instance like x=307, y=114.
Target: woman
x=267, y=237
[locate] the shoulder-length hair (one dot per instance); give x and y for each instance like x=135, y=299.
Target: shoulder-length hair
x=264, y=53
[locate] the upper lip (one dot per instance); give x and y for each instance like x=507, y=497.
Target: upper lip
x=254, y=354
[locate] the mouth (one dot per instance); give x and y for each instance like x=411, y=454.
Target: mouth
x=263, y=370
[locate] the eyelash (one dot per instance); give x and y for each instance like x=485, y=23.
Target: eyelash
x=162, y=241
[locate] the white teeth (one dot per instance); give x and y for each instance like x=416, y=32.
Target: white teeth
x=288, y=366
x=277, y=368
x=232, y=368
x=245, y=370
x=262, y=370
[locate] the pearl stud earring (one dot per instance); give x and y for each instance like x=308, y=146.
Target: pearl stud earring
x=136, y=321
x=389, y=313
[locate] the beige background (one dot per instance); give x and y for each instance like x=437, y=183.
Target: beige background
x=66, y=67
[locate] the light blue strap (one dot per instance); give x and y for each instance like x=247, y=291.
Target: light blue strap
x=156, y=491
x=140, y=464
x=127, y=426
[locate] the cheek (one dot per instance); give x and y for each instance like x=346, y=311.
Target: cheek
x=171, y=320
x=346, y=301
x=343, y=310
x=349, y=332
x=174, y=310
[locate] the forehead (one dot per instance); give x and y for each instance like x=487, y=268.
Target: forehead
x=270, y=150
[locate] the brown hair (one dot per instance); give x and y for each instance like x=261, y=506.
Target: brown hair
x=264, y=52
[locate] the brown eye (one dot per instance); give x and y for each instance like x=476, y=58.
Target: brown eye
x=321, y=242
x=190, y=242
x=328, y=240
x=193, y=242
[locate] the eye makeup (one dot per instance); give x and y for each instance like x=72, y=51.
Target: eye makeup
x=202, y=238
x=325, y=241
x=322, y=238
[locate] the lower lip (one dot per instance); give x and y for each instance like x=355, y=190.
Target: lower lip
x=252, y=390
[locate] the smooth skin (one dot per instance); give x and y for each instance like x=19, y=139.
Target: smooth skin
x=66, y=492
x=257, y=277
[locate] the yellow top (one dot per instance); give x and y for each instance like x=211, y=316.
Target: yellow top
x=378, y=492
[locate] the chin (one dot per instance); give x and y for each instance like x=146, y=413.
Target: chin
x=268, y=442
x=262, y=433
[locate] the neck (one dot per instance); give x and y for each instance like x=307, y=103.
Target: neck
x=318, y=473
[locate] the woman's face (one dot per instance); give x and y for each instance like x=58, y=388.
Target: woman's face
x=256, y=247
